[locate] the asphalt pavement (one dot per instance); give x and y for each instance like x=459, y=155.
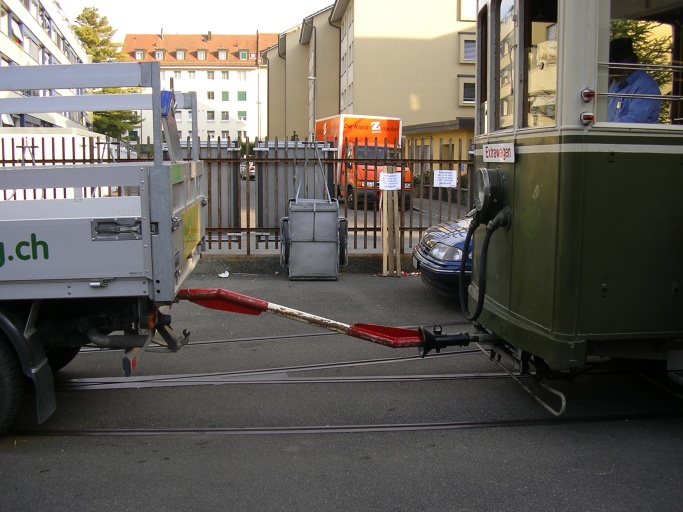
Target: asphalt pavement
x=260, y=412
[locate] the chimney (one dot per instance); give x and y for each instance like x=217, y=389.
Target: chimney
x=208, y=37
x=161, y=35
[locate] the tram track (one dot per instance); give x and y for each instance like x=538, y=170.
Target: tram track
x=302, y=375
x=341, y=429
x=287, y=375
x=203, y=380
x=278, y=375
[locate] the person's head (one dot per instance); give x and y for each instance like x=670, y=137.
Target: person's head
x=621, y=52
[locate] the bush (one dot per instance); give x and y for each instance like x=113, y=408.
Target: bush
x=422, y=178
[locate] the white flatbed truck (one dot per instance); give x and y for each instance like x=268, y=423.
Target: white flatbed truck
x=91, y=254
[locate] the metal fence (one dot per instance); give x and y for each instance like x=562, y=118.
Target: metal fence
x=244, y=210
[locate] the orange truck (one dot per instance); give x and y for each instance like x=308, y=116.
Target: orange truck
x=365, y=145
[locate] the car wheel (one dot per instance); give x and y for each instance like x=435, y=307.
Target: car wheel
x=351, y=198
x=285, y=245
x=343, y=233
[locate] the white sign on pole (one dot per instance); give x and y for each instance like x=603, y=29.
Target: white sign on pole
x=390, y=181
x=445, y=178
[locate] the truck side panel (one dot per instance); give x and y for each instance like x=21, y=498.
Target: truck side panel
x=112, y=229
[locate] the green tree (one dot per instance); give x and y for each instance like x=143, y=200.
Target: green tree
x=246, y=151
x=116, y=123
x=96, y=35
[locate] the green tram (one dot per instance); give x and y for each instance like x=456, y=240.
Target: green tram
x=578, y=232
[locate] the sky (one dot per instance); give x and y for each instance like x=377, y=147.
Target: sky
x=198, y=16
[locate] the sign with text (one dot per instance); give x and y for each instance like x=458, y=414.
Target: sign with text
x=390, y=181
x=445, y=178
x=499, y=152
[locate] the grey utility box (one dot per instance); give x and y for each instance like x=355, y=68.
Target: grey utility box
x=314, y=239
x=313, y=236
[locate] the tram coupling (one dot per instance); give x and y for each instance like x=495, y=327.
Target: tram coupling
x=436, y=339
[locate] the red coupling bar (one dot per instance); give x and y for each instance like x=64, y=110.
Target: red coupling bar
x=395, y=337
x=224, y=300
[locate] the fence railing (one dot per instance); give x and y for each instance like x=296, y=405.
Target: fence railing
x=244, y=208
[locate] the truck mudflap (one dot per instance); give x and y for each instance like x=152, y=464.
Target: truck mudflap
x=34, y=363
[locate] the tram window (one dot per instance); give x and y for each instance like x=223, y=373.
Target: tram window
x=651, y=30
x=540, y=44
x=507, y=52
x=482, y=71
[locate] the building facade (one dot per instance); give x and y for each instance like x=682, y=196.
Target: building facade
x=303, y=76
x=383, y=58
x=225, y=71
x=37, y=32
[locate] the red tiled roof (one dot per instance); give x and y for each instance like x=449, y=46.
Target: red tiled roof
x=193, y=42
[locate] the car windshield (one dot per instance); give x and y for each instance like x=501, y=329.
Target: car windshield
x=376, y=152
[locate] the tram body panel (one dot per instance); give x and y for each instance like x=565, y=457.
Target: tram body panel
x=522, y=302
x=585, y=248
x=632, y=255
x=587, y=258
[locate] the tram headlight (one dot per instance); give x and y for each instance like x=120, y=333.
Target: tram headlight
x=488, y=190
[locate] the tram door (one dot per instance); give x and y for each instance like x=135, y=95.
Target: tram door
x=577, y=172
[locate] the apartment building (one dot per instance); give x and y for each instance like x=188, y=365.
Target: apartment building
x=225, y=71
x=378, y=57
x=34, y=32
x=303, y=76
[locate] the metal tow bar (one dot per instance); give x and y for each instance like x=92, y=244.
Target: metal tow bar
x=224, y=300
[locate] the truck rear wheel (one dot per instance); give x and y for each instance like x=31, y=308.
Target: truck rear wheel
x=11, y=384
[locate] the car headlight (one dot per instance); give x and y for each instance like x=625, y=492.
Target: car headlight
x=445, y=252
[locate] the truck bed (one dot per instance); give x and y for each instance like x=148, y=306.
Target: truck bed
x=131, y=229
